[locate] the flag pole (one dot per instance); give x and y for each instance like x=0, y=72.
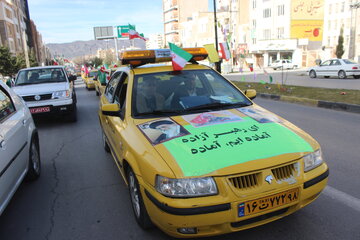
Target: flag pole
x=217, y=64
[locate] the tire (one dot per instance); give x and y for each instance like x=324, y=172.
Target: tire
x=72, y=117
x=140, y=213
x=356, y=76
x=105, y=143
x=312, y=74
x=342, y=74
x=34, y=161
x=326, y=76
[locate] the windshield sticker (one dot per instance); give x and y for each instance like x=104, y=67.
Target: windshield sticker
x=162, y=130
x=260, y=115
x=211, y=118
x=210, y=148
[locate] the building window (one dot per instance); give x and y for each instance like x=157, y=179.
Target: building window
x=329, y=26
x=8, y=13
x=330, y=8
x=335, y=24
x=254, y=4
x=328, y=42
x=254, y=23
x=281, y=10
x=342, y=6
x=280, y=33
x=267, y=13
x=267, y=34
x=254, y=40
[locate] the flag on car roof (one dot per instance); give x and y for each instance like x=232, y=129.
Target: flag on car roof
x=225, y=52
x=134, y=34
x=179, y=57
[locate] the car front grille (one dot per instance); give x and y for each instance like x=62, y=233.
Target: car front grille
x=246, y=181
x=284, y=172
x=32, y=97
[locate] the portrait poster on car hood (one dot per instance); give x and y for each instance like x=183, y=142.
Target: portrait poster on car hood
x=162, y=130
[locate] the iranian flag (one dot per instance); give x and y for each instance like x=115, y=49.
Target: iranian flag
x=225, y=52
x=134, y=34
x=179, y=57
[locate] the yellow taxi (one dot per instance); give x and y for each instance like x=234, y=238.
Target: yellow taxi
x=199, y=157
x=89, y=79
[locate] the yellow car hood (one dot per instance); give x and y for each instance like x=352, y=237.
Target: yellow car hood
x=226, y=142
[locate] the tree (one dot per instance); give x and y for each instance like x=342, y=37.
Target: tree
x=32, y=58
x=340, y=47
x=97, y=61
x=7, y=62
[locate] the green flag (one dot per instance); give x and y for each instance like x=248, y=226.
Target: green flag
x=271, y=79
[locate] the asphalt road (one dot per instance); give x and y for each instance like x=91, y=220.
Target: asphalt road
x=81, y=195
x=296, y=78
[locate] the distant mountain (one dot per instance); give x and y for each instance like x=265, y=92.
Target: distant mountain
x=81, y=48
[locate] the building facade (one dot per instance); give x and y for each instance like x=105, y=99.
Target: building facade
x=155, y=41
x=179, y=11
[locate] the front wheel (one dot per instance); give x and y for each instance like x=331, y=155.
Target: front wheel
x=34, y=161
x=312, y=74
x=356, y=76
x=141, y=215
x=342, y=74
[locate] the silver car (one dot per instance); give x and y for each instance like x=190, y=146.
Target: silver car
x=341, y=68
x=19, y=145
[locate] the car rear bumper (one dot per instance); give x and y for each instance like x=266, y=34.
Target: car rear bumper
x=221, y=218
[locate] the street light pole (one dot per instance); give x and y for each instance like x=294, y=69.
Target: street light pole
x=217, y=64
x=353, y=31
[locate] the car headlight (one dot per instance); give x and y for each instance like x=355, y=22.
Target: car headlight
x=186, y=187
x=312, y=160
x=61, y=94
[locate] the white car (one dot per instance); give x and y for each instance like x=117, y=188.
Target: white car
x=283, y=64
x=47, y=90
x=341, y=68
x=19, y=145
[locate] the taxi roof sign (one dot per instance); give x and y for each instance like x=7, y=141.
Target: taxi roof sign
x=140, y=57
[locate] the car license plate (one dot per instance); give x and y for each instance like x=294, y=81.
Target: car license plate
x=39, y=110
x=269, y=202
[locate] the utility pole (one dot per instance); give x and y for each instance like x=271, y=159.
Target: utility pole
x=352, y=45
x=217, y=64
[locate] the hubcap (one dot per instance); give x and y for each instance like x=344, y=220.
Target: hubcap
x=35, y=159
x=134, y=193
x=342, y=75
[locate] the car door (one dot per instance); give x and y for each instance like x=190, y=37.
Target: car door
x=323, y=69
x=116, y=124
x=13, y=145
x=108, y=97
x=334, y=67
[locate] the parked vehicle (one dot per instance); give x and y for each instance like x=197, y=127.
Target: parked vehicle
x=341, y=68
x=47, y=91
x=283, y=64
x=19, y=145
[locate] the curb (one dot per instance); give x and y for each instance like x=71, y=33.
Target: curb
x=311, y=102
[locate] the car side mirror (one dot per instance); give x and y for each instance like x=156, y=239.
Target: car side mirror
x=250, y=93
x=111, y=110
x=72, y=78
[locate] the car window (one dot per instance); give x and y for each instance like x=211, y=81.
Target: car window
x=169, y=91
x=347, y=61
x=326, y=63
x=6, y=105
x=38, y=76
x=335, y=62
x=111, y=87
x=120, y=95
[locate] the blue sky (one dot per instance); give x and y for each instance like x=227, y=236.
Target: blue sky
x=61, y=21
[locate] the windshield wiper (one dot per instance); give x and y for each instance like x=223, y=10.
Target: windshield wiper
x=161, y=112
x=217, y=105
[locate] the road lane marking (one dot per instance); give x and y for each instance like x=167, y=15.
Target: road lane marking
x=345, y=198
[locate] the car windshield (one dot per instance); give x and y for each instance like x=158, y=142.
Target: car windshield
x=347, y=61
x=174, y=93
x=38, y=76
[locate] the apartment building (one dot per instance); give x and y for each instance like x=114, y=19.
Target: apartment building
x=179, y=11
x=339, y=14
x=155, y=41
x=12, y=25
